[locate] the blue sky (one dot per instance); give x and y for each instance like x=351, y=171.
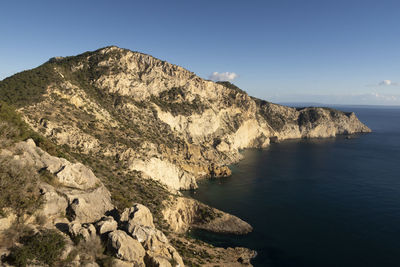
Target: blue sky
x=308, y=50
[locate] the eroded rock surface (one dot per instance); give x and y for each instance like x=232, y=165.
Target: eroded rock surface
x=162, y=120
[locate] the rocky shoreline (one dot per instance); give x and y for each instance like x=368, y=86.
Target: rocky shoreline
x=117, y=134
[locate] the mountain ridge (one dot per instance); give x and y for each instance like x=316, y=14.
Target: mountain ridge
x=148, y=128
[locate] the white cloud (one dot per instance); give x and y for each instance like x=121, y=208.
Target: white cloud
x=388, y=83
x=223, y=76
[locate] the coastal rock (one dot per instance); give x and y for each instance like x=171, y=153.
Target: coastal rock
x=185, y=213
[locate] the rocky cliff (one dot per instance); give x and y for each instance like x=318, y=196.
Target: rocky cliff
x=136, y=129
x=158, y=118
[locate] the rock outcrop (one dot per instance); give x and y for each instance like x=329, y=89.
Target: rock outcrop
x=74, y=191
x=184, y=213
x=79, y=196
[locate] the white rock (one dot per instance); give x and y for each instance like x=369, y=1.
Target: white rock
x=125, y=247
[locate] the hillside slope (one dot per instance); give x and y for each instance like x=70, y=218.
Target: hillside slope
x=157, y=118
x=146, y=129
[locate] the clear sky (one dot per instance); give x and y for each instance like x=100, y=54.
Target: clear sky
x=283, y=50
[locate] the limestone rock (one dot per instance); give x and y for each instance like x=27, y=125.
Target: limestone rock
x=74, y=175
x=106, y=224
x=85, y=231
x=88, y=206
x=77, y=175
x=121, y=263
x=125, y=247
x=156, y=244
x=183, y=213
x=138, y=214
x=54, y=204
x=157, y=261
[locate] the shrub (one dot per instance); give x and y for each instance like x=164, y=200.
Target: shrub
x=18, y=188
x=44, y=247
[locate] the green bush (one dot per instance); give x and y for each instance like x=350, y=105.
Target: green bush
x=44, y=247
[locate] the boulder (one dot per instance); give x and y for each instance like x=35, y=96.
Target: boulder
x=156, y=261
x=88, y=207
x=125, y=247
x=75, y=175
x=156, y=245
x=138, y=214
x=85, y=231
x=106, y=224
x=54, y=203
x=78, y=176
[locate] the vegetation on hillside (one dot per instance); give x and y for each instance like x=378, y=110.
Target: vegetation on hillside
x=18, y=188
x=44, y=247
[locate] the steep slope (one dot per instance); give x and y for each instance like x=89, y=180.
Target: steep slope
x=157, y=118
x=148, y=128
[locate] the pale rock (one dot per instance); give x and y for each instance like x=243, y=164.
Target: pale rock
x=157, y=261
x=165, y=172
x=88, y=206
x=121, y=263
x=55, y=204
x=125, y=247
x=156, y=244
x=184, y=213
x=86, y=231
x=106, y=224
x=138, y=214
x=7, y=221
x=77, y=175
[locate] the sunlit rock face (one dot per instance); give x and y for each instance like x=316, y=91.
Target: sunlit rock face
x=163, y=120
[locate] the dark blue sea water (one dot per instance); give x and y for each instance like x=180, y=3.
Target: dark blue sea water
x=331, y=202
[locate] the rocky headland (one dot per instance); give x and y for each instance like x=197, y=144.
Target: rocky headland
x=107, y=139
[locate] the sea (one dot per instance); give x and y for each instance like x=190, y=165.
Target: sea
x=320, y=202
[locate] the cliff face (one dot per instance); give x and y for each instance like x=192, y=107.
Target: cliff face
x=162, y=120
x=135, y=129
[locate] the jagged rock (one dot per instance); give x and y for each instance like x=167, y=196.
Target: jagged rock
x=106, y=224
x=125, y=247
x=77, y=175
x=88, y=206
x=184, y=213
x=157, y=261
x=54, y=204
x=138, y=214
x=85, y=231
x=155, y=243
x=74, y=175
x=140, y=232
x=220, y=171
